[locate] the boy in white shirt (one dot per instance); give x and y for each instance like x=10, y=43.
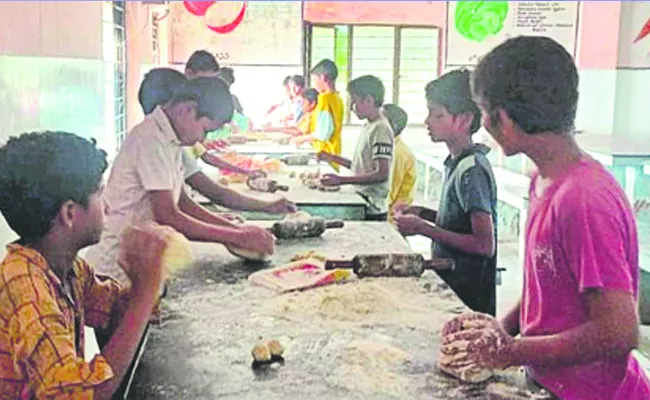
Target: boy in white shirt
x=146, y=180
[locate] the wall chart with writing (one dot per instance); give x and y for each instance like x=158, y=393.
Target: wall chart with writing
x=475, y=27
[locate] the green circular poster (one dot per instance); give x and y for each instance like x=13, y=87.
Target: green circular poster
x=478, y=20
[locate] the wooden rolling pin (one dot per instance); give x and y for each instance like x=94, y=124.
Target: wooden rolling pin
x=298, y=229
x=266, y=185
x=391, y=265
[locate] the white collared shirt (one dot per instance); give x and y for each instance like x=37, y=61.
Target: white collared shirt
x=149, y=160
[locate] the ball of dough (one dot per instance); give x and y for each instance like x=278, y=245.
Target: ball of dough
x=275, y=348
x=261, y=353
x=246, y=254
x=300, y=215
x=178, y=253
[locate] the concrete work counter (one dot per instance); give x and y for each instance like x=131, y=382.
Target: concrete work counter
x=371, y=338
x=270, y=149
x=345, y=204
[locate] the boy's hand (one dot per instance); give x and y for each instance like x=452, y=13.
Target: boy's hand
x=405, y=209
x=331, y=180
x=257, y=174
x=488, y=344
x=236, y=218
x=140, y=256
x=409, y=224
x=493, y=349
x=296, y=141
x=254, y=238
x=281, y=206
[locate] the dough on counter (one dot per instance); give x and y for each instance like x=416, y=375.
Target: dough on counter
x=324, y=188
x=307, y=255
x=178, y=253
x=467, y=321
x=275, y=348
x=261, y=353
x=298, y=216
x=457, y=335
x=246, y=254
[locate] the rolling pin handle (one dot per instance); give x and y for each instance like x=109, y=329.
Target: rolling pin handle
x=440, y=264
x=338, y=264
x=334, y=224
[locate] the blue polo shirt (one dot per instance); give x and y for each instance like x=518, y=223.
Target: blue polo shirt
x=469, y=187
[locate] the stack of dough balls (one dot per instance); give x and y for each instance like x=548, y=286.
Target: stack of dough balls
x=266, y=352
x=456, y=337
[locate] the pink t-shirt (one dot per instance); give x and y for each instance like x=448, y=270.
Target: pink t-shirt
x=581, y=235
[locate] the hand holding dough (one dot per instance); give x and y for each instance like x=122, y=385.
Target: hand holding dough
x=460, y=337
x=177, y=253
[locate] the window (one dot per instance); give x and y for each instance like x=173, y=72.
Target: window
x=404, y=58
x=114, y=44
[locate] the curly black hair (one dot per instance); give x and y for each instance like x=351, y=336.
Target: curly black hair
x=39, y=172
x=534, y=79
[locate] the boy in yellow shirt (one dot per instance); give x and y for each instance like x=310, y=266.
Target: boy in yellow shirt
x=309, y=99
x=327, y=121
x=404, y=171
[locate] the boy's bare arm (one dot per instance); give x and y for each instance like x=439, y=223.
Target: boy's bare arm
x=121, y=348
x=191, y=208
x=510, y=322
x=610, y=332
x=480, y=242
x=333, y=158
x=167, y=212
x=218, y=162
x=380, y=174
x=225, y=196
x=425, y=213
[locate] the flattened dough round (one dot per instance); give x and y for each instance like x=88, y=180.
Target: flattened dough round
x=246, y=254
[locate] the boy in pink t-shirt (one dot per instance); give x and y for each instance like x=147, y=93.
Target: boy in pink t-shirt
x=578, y=315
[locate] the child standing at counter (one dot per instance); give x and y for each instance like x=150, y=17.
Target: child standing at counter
x=373, y=157
x=403, y=177
x=146, y=181
x=327, y=121
x=464, y=227
x=309, y=99
x=578, y=316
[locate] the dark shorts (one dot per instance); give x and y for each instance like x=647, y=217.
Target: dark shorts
x=478, y=293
